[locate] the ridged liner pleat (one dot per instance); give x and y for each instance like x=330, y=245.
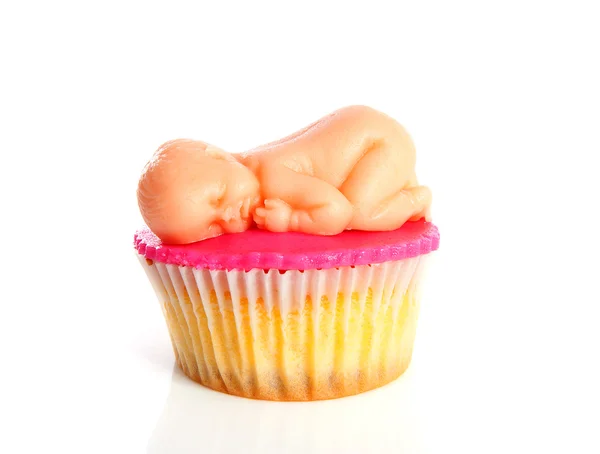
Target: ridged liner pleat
x=294, y=335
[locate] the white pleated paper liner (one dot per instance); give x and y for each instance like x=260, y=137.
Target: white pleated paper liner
x=291, y=335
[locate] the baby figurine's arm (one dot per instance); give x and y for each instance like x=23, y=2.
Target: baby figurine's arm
x=301, y=203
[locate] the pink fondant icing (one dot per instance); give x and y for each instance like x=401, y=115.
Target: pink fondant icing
x=293, y=251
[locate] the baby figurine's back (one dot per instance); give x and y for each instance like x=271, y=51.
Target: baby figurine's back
x=330, y=148
x=353, y=169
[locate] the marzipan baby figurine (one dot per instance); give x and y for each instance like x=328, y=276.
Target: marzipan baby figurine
x=353, y=169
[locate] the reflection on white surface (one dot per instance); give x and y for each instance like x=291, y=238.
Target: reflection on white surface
x=197, y=420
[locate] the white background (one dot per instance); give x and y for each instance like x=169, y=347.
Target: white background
x=503, y=102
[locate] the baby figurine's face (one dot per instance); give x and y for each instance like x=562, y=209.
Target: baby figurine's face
x=190, y=191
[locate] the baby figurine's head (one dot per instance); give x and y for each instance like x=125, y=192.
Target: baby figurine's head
x=190, y=191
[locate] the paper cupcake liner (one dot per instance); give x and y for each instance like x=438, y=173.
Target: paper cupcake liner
x=293, y=335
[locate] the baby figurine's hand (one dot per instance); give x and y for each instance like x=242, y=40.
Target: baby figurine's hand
x=275, y=216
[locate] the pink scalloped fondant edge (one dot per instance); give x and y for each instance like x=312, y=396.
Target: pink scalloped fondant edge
x=350, y=248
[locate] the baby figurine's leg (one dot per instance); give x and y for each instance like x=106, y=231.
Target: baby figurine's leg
x=383, y=196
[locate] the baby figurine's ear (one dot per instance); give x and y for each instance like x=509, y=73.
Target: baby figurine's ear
x=216, y=153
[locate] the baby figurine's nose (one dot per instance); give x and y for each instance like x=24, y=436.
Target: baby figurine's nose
x=227, y=215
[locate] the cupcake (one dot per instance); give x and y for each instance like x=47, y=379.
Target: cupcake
x=292, y=271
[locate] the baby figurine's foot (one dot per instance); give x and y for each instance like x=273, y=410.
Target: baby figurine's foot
x=275, y=215
x=422, y=199
x=425, y=214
